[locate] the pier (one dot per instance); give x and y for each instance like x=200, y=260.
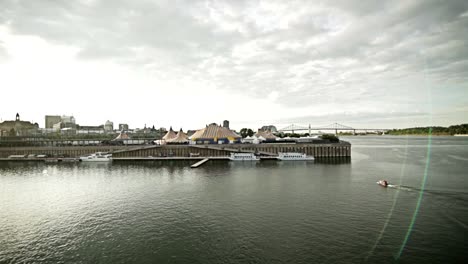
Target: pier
x=198, y=164
x=195, y=152
x=342, y=149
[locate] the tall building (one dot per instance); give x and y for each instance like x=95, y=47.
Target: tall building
x=109, y=126
x=67, y=121
x=123, y=127
x=51, y=120
x=226, y=124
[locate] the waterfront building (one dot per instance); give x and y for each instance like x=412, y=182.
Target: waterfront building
x=69, y=127
x=226, y=124
x=66, y=121
x=68, y=131
x=90, y=129
x=123, y=127
x=17, y=127
x=214, y=134
x=109, y=126
x=47, y=130
x=57, y=126
x=146, y=130
x=169, y=135
x=51, y=120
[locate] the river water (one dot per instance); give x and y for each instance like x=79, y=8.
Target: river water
x=228, y=212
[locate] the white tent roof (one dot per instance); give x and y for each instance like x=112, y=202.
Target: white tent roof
x=180, y=138
x=214, y=132
x=170, y=135
x=122, y=136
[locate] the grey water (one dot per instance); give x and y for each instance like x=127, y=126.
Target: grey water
x=239, y=212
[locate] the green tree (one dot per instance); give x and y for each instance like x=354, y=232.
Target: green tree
x=330, y=137
x=245, y=132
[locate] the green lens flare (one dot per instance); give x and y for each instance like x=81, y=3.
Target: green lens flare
x=421, y=193
x=392, y=209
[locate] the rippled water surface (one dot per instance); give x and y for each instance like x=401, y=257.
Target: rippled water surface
x=226, y=212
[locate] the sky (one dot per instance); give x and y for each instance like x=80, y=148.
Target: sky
x=188, y=63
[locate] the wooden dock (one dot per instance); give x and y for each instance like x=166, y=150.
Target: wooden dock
x=198, y=164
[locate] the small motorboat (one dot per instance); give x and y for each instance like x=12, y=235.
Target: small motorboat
x=383, y=183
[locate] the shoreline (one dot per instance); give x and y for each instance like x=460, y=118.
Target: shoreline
x=405, y=135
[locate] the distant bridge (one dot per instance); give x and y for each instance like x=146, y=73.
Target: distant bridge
x=335, y=127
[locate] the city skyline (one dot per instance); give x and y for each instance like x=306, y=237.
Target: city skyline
x=187, y=64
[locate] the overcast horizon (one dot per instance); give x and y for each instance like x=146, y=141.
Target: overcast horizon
x=378, y=64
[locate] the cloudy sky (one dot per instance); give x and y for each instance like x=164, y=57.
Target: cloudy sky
x=187, y=63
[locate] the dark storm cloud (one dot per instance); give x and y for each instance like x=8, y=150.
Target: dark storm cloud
x=304, y=52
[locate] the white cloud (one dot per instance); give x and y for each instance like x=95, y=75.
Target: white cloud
x=160, y=62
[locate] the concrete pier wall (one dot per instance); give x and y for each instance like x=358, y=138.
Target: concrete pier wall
x=55, y=151
x=316, y=150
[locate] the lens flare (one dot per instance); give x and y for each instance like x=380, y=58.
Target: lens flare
x=421, y=193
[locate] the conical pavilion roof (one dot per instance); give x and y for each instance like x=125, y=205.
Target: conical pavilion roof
x=122, y=136
x=265, y=134
x=180, y=138
x=169, y=135
x=214, y=132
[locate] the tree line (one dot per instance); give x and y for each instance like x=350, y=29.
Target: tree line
x=435, y=130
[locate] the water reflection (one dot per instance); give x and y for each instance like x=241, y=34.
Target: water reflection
x=154, y=211
x=333, y=160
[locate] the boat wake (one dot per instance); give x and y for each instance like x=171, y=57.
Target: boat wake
x=403, y=187
x=457, y=195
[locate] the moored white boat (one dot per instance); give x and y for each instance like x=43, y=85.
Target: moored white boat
x=243, y=157
x=97, y=157
x=293, y=156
